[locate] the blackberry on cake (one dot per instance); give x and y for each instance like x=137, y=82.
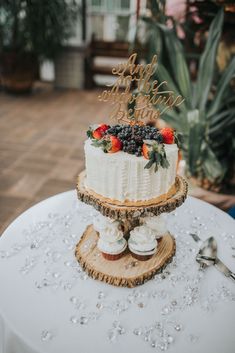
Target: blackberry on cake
x=132, y=137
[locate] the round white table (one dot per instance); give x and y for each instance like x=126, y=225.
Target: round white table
x=49, y=305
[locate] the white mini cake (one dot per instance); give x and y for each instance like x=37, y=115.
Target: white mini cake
x=111, y=242
x=157, y=224
x=142, y=242
x=121, y=176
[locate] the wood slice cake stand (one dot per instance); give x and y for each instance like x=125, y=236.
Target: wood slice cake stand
x=127, y=271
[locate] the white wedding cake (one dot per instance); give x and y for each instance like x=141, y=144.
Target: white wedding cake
x=118, y=170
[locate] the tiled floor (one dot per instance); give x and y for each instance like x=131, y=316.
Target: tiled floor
x=41, y=145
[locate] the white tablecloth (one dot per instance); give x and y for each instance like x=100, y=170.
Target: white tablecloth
x=49, y=305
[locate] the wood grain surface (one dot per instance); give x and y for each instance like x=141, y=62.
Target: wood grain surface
x=127, y=271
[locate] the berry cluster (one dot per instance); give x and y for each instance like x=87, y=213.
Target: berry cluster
x=132, y=137
x=140, y=140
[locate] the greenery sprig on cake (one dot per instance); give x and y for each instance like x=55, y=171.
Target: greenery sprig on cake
x=156, y=154
x=139, y=140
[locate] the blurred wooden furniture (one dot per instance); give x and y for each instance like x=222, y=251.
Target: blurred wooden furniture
x=101, y=48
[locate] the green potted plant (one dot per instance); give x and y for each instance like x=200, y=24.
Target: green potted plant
x=206, y=119
x=31, y=30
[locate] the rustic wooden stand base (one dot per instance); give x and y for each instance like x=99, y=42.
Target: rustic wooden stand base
x=127, y=271
x=128, y=211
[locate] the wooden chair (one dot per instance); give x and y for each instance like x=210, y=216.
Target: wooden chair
x=101, y=48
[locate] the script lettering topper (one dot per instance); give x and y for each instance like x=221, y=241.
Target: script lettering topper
x=150, y=98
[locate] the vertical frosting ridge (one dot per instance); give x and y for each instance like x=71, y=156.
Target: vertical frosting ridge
x=122, y=176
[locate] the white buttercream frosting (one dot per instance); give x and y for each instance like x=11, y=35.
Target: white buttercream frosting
x=112, y=248
x=111, y=234
x=157, y=224
x=122, y=176
x=101, y=222
x=108, y=229
x=111, y=239
x=142, y=239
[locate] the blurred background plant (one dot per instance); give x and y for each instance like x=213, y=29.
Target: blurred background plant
x=206, y=119
x=31, y=31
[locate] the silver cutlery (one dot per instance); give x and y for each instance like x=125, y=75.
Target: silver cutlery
x=207, y=255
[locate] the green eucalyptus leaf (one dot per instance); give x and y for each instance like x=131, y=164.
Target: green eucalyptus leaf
x=149, y=164
x=155, y=167
x=89, y=134
x=157, y=158
x=152, y=155
x=97, y=143
x=164, y=163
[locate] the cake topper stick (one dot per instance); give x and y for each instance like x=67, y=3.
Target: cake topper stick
x=149, y=93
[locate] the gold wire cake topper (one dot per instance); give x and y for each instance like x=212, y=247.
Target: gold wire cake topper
x=150, y=99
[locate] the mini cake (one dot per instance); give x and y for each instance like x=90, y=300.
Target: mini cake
x=131, y=163
x=157, y=224
x=111, y=242
x=102, y=223
x=112, y=250
x=142, y=243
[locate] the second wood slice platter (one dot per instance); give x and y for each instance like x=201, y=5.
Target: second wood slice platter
x=127, y=271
